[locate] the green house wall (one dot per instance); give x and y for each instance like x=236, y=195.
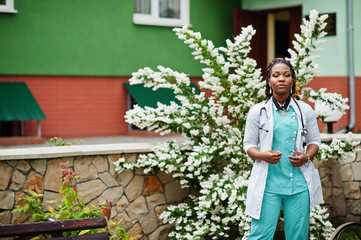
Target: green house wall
x=98, y=38
x=334, y=56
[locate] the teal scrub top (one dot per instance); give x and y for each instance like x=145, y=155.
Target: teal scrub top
x=283, y=178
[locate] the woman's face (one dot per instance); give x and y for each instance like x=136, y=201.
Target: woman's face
x=280, y=79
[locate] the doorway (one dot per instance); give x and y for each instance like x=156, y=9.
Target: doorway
x=278, y=34
x=278, y=25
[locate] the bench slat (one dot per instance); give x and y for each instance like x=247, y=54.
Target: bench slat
x=95, y=236
x=52, y=227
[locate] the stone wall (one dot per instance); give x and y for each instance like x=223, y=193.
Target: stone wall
x=138, y=199
x=341, y=184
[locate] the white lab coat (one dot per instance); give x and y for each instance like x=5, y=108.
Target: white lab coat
x=259, y=133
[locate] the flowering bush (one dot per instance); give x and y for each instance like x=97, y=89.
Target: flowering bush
x=320, y=227
x=213, y=161
x=338, y=149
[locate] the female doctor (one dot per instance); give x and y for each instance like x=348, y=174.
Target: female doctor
x=283, y=175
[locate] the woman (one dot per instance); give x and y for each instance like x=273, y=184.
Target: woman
x=283, y=175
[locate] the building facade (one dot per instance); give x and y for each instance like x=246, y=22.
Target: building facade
x=75, y=56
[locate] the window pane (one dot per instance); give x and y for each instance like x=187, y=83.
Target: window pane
x=169, y=9
x=141, y=6
x=2, y=2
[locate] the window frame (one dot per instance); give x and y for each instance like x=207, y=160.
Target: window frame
x=154, y=19
x=8, y=7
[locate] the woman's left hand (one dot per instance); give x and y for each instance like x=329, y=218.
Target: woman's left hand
x=299, y=159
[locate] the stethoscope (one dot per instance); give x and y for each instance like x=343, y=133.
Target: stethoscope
x=303, y=131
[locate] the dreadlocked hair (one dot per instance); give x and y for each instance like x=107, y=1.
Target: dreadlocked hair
x=268, y=76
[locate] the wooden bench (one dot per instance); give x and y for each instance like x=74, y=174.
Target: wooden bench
x=27, y=231
x=351, y=227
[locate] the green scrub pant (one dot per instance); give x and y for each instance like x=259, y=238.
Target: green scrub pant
x=296, y=210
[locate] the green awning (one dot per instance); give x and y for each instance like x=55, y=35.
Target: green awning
x=17, y=103
x=144, y=96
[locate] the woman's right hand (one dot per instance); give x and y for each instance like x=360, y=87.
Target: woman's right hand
x=270, y=156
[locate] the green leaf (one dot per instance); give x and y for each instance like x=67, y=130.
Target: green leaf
x=84, y=232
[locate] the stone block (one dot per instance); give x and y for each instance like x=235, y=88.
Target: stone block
x=358, y=155
x=338, y=202
x=5, y=175
x=49, y=196
x=162, y=232
x=336, y=179
x=111, y=159
x=17, y=181
x=134, y=188
x=326, y=190
x=20, y=218
x=23, y=166
x=352, y=218
x=324, y=163
x=121, y=204
x=108, y=179
x=317, y=164
x=52, y=175
x=155, y=200
x=130, y=157
x=111, y=194
x=346, y=172
x=324, y=172
x=69, y=160
x=18, y=196
x=125, y=177
x=140, y=171
x=149, y=222
x=356, y=170
x=159, y=210
x=137, y=209
x=348, y=158
x=91, y=190
x=101, y=164
x=126, y=222
x=165, y=177
x=354, y=207
x=5, y=217
x=7, y=199
x=12, y=163
x=34, y=183
x=39, y=165
x=85, y=169
x=174, y=192
x=152, y=185
x=136, y=230
x=352, y=190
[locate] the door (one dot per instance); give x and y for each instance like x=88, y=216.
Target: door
x=258, y=19
x=275, y=29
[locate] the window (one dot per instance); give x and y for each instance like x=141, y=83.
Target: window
x=172, y=13
x=7, y=6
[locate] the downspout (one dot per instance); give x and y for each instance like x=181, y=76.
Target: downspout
x=351, y=68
